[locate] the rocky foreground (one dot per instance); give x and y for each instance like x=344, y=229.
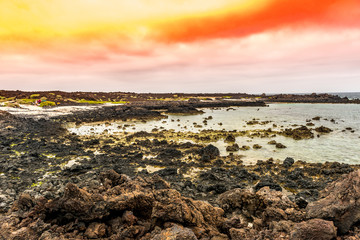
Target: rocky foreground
x=119, y=207
x=57, y=185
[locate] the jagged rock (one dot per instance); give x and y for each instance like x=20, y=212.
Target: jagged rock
x=169, y=153
x=175, y=232
x=314, y=229
x=323, y=129
x=245, y=148
x=267, y=182
x=339, y=202
x=142, y=202
x=272, y=142
x=288, y=162
x=95, y=230
x=209, y=152
x=256, y=146
x=280, y=145
x=230, y=139
x=298, y=133
x=233, y=148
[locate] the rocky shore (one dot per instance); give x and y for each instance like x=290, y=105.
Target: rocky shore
x=119, y=207
x=151, y=185
x=59, y=98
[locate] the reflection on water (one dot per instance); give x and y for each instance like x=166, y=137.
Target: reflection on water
x=340, y=145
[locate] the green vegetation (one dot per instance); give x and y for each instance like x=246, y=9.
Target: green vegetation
x=47, y=104
x=37, y=184
x=33, y=96
x=227, y=97
x=25, y=101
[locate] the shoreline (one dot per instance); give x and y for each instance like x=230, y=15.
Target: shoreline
x=42, y=158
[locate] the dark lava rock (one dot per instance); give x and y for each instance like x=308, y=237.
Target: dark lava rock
x=272, y=142
x=230, y=139
x=267, y=182
x=288, y=162
x=218, y=188
x=256, y=146
x=233, y=148
x=280, y=145
x=323, y=129
x=209, y=152
x=301, y=202
x=169, y=153
x=339, y=202
x=167, y=172
x=184, y=109
x=298, y=133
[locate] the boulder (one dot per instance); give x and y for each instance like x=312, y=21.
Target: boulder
x=175, y=232
x=339, y=202
x=280, y=145
x=95, y=230
x=233, y=148
x=120, y=208
x=209, y=152
x=288, y=162
x=230, y=139
x=323, y=129
x=314, y=229
x=267, y=181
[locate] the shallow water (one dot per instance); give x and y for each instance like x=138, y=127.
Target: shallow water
x=336, y=146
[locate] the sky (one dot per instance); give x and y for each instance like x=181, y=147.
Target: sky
x=253, y=46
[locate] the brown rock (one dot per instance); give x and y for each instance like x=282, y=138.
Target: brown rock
x=339, y=202
x=95, y=230
x=176, y=232
x=314, y=229
x=24, y=202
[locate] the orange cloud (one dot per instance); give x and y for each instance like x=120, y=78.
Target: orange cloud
x=275, y=14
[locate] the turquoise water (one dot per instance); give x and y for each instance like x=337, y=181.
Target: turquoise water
x=341, y=146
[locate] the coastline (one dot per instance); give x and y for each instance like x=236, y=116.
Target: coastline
x=43, y=160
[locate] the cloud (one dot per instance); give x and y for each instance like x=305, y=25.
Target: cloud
x=285, y=59
x=273, y=15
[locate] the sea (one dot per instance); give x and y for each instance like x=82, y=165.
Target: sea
x=341, y=145
x=350, y=95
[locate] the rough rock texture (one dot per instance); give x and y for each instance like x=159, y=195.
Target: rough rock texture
x=147, y=208
x=340, y=202
x=314, y=229
x=261, y=208
x=209, y=152
x=120, y=209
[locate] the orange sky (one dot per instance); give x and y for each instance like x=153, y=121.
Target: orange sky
x=151, y=42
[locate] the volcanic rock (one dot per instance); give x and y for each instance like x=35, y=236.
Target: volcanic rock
x=339, y=202
x=314, y=229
